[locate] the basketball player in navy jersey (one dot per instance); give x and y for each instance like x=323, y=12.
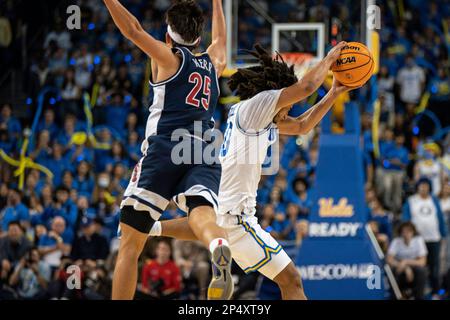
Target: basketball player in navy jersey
x=186, y=91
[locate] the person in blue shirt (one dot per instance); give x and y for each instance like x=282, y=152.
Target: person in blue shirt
x=42, y=151
x=63, y=207
x=394, y=159
x=297, y=194
x=9, y=122
x=79, y=152
x=116, y=113
x=67, y=132
x=380, y=221
x=48, y=123
x=57, y=163
x=117, y=154
x=118, y=182
x=6, y=142
x=286, y=225
x=56, y=243
x=83, y=181
x=110, y=38
x=133, y=148
x=440, y=87
x=14, y=211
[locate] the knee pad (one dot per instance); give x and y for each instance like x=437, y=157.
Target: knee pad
x=139, y=220
x=193, y=202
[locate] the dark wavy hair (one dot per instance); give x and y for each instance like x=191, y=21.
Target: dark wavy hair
x=270, y=74
x=185, y=17
x=407, y=224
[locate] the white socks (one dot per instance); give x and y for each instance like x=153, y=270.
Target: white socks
x=156, y=230
x=217, y=242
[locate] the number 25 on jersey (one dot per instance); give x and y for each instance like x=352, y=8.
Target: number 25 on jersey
x=202, y=84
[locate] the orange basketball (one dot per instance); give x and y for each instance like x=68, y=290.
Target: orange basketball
x=355, y=65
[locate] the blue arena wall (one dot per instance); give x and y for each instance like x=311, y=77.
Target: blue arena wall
x=338, y=260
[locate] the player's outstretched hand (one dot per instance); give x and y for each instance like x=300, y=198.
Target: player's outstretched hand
x=339, y=88
x=335, y=52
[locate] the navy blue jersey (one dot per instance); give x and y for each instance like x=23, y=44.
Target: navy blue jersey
x=189, y=96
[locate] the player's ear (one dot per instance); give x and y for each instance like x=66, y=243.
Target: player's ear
x=168, y=39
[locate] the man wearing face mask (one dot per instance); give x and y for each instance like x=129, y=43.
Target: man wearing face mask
x=103, y=180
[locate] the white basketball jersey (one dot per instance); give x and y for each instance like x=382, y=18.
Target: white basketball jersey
x=243, y=153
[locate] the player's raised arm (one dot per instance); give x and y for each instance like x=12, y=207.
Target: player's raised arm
x=218, y=48
x=308, y=120
x=130, y=27
x=311, y=81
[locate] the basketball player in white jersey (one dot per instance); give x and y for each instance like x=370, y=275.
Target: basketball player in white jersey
x=253, y=126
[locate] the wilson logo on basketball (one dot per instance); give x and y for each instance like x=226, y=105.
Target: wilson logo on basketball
x=351, y=48
x=342, y=209
x=347, y=60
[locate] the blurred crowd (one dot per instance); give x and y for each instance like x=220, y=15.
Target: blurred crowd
x=71, y=217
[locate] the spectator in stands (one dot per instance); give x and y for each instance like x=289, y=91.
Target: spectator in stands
x=60, y=35
x=14, y=211
x=55, y=244
x=411, y=79
x=268, y=216
x=386, y=84
x=116, y=113
x=70, y=93
x=133, y=147
x=89, y=245
x=49, y=124
x=394, y=159
x=118, y=182
x=68, y=130
x=9, y=122
x=407, y=257
x=83, y=181
x=430, y=167
x=57, y=163
x=13, y=246
x=192, y=259
x=31, y=276
x=381, y=223
x=161, y=277
x=62, y=207
x=43, y=150
x=444, y=198
x=424, y=211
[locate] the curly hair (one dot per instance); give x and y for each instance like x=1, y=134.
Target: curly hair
x=270, y=74
x=186, y=18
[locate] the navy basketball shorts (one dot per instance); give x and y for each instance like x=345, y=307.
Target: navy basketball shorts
x=156, y=179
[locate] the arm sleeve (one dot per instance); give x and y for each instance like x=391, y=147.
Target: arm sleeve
x=258, y=112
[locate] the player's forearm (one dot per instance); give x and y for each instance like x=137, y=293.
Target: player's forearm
x=314, y=78
x=307, y=85
x=124, y=20
x=219, y=32
x=314, y=115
